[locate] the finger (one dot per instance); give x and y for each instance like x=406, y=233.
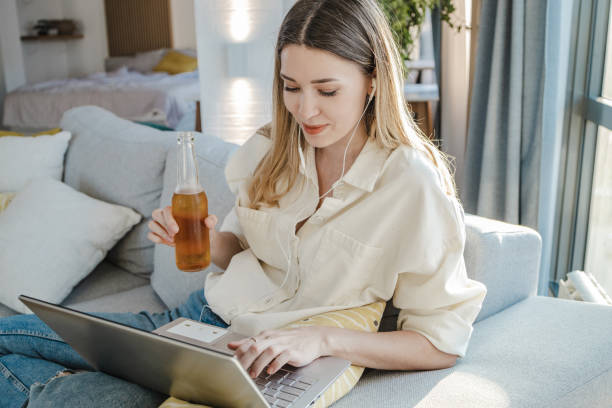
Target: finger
x=158, y=216
x=211, y=221
x=263, y=360
x=282, y=359
x=169, y=221
x=237, y=343
x=244, y=347
x=156, y=239
x=253, y=351
x=159, y=230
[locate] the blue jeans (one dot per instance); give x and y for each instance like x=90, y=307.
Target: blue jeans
x=31, y=354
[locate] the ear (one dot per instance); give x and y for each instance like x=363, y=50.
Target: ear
x=373, y=83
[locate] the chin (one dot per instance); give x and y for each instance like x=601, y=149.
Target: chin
x=320, y=141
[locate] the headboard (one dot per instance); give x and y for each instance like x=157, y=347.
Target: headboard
x=134, y=26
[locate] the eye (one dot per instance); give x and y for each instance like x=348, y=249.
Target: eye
x=329, y=93
x=288, y=89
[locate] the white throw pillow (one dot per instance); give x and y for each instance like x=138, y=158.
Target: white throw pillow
x=25, y=158
x=51, y=237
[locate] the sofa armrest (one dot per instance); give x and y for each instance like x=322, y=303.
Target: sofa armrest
x=505, y=257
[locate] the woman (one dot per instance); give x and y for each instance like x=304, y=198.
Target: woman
x=341, y=202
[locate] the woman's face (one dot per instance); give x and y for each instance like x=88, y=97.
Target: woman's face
x=324, y=93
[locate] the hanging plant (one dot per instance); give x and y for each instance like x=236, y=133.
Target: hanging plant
x=407, y=16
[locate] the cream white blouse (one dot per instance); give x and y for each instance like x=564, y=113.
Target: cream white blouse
x=389, y=231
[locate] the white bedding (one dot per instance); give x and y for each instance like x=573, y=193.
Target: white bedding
x=156, y=97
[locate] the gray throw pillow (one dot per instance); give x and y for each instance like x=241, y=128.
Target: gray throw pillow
x=119, y=162
x=171, y=284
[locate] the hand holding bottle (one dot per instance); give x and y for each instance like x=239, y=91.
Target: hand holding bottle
x=164, y=227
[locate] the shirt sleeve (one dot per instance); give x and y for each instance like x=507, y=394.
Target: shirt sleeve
x=433, y=292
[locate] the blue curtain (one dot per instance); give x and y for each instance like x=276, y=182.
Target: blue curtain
x=502, y=161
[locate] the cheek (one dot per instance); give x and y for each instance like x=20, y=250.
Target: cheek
x=290, y=102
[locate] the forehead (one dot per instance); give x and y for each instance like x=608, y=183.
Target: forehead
x=304, y=64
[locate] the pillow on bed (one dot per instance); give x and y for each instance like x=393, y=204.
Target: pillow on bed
x=51, y=237
x=175, y=62
x=25, y=158
x=140, y=62
x=363, y=318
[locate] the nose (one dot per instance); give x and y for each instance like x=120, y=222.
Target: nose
x=308, y=106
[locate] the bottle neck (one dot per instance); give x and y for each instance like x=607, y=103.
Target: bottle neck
x=187, y=181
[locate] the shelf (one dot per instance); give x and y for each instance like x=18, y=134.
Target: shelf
x=51, y=37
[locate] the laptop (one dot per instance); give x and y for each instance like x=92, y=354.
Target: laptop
x=185, y=359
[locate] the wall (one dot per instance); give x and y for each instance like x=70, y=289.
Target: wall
x=183, y=23
x=87, y=55
x=42, y=60
x=454, y=88
x=61, y=59
x=12, y=73
x=239, y=36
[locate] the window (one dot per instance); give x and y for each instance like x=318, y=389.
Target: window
x=584, y=239
x=598, y=259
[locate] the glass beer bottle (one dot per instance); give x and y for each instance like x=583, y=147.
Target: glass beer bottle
x=190, y=209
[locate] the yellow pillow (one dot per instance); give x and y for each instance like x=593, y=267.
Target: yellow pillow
x=10, y=133
x=364, y=318
x=5, y=199
x=45, y=132
x=176, y=63
x=48, y=132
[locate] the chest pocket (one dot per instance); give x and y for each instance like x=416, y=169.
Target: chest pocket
x=263, y=236
x=344, y=267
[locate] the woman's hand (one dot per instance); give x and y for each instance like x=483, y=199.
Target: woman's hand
x=275, y=348
x=163, y=227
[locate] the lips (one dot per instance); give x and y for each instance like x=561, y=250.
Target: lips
x=313, y=130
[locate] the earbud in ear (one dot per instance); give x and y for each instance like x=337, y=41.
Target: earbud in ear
x=373, y=89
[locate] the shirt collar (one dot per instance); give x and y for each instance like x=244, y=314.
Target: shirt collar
x=363, y=173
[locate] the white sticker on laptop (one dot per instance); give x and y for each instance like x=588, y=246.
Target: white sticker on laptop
x=197, y=331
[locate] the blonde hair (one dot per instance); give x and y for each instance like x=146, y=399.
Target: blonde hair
x=358, y=31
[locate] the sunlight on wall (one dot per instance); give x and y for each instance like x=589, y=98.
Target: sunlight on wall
x=236, y=41
x=240, y=26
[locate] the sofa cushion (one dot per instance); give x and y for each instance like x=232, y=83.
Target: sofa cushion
x=51, y=237
x=120, y=162
x=541, y=352
x=135, y=300
x=505, y=257
x=106, y=279
x=25, y=158
x=171, y=284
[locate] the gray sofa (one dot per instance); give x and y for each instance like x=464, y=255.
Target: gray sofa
x=526, y=350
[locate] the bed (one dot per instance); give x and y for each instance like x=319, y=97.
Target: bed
x=129, y=89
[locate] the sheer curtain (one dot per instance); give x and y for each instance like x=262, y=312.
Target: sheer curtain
x=518, y=106
x=502, y=166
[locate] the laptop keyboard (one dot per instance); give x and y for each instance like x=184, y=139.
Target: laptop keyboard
x=283, y=387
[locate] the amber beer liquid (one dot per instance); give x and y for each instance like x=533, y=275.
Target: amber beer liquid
x=192, y=240
x=190, y=209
